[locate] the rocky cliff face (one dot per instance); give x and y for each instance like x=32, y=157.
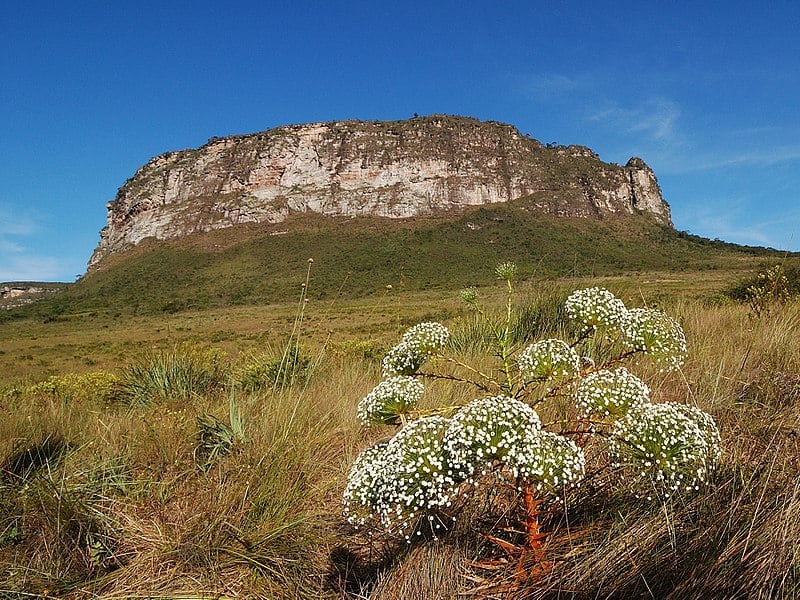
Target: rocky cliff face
x=391, y=169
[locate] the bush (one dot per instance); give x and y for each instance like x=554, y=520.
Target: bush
x=772, y=286
x=415, y=481
x=271, y=370
x=95, y=387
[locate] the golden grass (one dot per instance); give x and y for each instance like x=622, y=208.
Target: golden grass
x=126, y=512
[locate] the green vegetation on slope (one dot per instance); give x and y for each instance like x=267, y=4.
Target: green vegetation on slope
x=355, y=257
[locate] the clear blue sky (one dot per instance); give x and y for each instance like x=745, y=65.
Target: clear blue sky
x=708, y=93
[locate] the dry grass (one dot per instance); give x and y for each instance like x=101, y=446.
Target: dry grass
x=125, y=510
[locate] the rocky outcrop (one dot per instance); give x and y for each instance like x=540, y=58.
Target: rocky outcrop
x=391, y=169
x=14, y=295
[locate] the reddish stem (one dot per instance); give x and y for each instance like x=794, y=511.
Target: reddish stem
x=534, y=538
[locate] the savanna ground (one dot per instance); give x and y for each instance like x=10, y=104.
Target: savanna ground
x=177, y=456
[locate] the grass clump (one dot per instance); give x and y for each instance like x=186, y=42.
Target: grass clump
x=182, y=373
x=272, y=370
x=217, y=439
x=219, y=489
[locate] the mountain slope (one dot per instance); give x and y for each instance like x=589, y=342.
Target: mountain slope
x=258, y=263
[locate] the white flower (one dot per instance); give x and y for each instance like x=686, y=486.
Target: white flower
x=506, y=271
x=670, y=445
x=402, y=359
x=389, y=399
x=498, y=428
x=427, y=338
x=363, y=483
x=549, y=359
x=418, y=343
x=658, y=335
x=401, y=480
x=415, y=478
x=595, y=307
x=552, y=462
x=610, y=393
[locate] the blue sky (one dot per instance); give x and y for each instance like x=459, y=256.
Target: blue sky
x=707, y=93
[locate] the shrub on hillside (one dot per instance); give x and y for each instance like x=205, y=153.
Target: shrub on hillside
x=773, y=286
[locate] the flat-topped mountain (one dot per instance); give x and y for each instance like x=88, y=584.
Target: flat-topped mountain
x=420, y=166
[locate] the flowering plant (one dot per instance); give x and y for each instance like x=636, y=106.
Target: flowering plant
x=443, y=453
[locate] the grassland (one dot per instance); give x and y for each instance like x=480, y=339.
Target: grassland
x=213, y=477
x=103, y=497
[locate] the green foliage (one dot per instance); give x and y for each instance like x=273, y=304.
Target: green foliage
x=178, y=374
x=770, y=288
x=271, y=369
x=362, y=349
x=67, y=519
x=216, y=439
x=357, y=257
x=95, y=387
x=27, y=458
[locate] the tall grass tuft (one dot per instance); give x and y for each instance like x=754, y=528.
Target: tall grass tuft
x=180, y=374
x=543, y=316
x=273, y=370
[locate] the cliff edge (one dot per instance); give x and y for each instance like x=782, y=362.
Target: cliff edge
x=392, y=169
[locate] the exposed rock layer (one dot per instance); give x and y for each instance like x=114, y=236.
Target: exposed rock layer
x=391, y=169
x=13, y=295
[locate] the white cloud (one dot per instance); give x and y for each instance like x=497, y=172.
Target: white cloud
x=707, y=161
x=732, y=220
x=17, y=261
x=29, y=268
x=547, y=86
x=656, y=118
x=9, y=247
x=14, y=222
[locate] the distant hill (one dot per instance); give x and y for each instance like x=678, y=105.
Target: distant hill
x=357, y=256
x=398, y=169
x=14, y=294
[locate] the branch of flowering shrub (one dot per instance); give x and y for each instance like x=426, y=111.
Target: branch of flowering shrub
x=483, y=376
x=556, y=390
x=444, y=376
x=590, y=422
x=584, y=335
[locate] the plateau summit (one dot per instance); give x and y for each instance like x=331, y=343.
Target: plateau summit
x=395, y=169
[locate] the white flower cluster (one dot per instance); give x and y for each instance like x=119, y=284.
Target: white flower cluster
x=595, y=307
x=427, y=337
x=402, y=479
x=610, y=393
x=491, y=429
x=402, y=359
x=422, y=467
x=671, y=445
x=506, y=270
x=363, y=483
x=416, y=478
x=389, y=399
x=417, y=345
x=554, y=462
x=657, y=334
x=708, y=428
x=549, y=359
